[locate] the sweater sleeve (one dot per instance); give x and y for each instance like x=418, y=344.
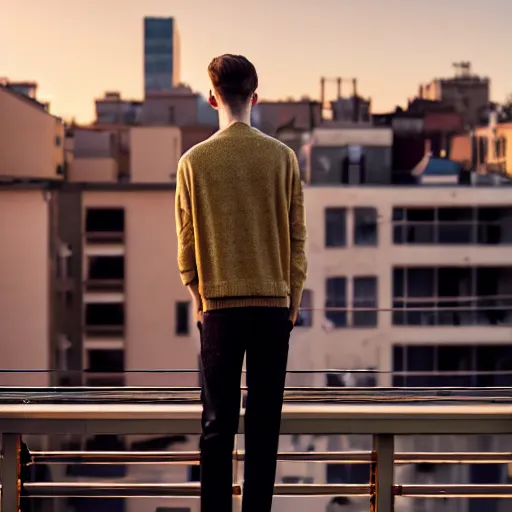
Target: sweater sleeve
x=298, y=235
x=185, y=227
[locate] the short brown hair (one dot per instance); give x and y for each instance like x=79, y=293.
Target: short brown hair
x=234, y=77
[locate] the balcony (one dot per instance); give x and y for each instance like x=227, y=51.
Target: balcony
x=104, y=226
x=382, y=413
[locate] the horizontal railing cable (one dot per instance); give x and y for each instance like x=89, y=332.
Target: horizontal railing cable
x=144, y=490
x=192, y=457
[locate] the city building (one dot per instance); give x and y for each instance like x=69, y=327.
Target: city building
x=112, y=109
x=31, y=140
x=161, y=54
x=485, y=149
x=467, y=93
x=98, y=153
x=154, y=154
x=31, y=165
x=26, y=283
x=178, y=107
x=270, y=116
x=351, y=156
x=349, y=110
x=435, y=262
x=88, y=284
x=424, y=129
x=28, y=89
x=194, y=134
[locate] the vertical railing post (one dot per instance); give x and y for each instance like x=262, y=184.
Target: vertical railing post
x=237, y=497
x=11, y=472
x=382, y=474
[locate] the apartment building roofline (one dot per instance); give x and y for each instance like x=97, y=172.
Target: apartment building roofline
x=288, y=101
x=99, y=187
x=25, y=185
x=34, y=103
x=128, y=187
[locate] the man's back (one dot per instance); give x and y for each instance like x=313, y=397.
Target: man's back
x=240, y=192
x=241, y=236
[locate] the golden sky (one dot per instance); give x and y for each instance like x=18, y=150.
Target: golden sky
x=77, y=49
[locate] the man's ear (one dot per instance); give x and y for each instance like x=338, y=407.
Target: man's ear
x=213, y=101
x=254, y=99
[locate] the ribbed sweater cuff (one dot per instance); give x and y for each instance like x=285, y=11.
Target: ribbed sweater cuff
x=245, y=302
x=295, y=298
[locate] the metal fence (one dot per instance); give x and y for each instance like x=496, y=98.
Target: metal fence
x=480, y=412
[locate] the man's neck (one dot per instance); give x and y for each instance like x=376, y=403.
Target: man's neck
x=226, y=118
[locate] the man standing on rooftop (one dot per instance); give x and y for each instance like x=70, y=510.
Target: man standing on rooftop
x=241, y=252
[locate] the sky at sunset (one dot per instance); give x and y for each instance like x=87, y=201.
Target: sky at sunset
x=77, y=49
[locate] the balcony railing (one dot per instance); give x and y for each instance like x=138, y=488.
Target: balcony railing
x=104, y=237
x=104, y=285
x=380, y=413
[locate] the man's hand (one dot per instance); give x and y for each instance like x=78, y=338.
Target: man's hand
x=196, y=301
x=294, y=315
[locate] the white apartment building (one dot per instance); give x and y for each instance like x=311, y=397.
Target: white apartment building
x=436, y=263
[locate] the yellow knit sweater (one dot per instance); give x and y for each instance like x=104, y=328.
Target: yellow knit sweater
x=240, y=220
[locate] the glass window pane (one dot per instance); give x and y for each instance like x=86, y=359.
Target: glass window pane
x=335, y=227
x=365, y=297
x=182, y=317
x=336, y=293
x=365, y=226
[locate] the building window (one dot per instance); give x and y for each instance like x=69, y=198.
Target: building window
x=104, y=319
x=347, y=474
x=482, y=150
x=58, y=140
x=365, y=297
x=182, y=318
x=365, y=226
x=479, y=365
x=336, y=301
x=453, y=226
x=452, y=296
x=105, y=273
x=104, y=225
x=497, y=147
x=306, y=313
x=335, y=227
x=105, y=361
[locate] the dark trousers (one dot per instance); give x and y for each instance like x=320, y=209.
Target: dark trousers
x=262, y=334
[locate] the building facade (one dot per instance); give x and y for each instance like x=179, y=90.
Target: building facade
x=161, y=54
x=113, y=109
x=413, y=282
x=31, y=140
x=467, y=93
x=349, y=156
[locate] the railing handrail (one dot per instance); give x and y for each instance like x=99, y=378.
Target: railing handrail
x=382, y=420
x=313, y=418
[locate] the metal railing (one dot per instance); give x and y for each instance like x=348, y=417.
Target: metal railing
x=413, y=414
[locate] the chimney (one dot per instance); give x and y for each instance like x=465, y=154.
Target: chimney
x=339, y=88
x=355, y=102
x=322, y=98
